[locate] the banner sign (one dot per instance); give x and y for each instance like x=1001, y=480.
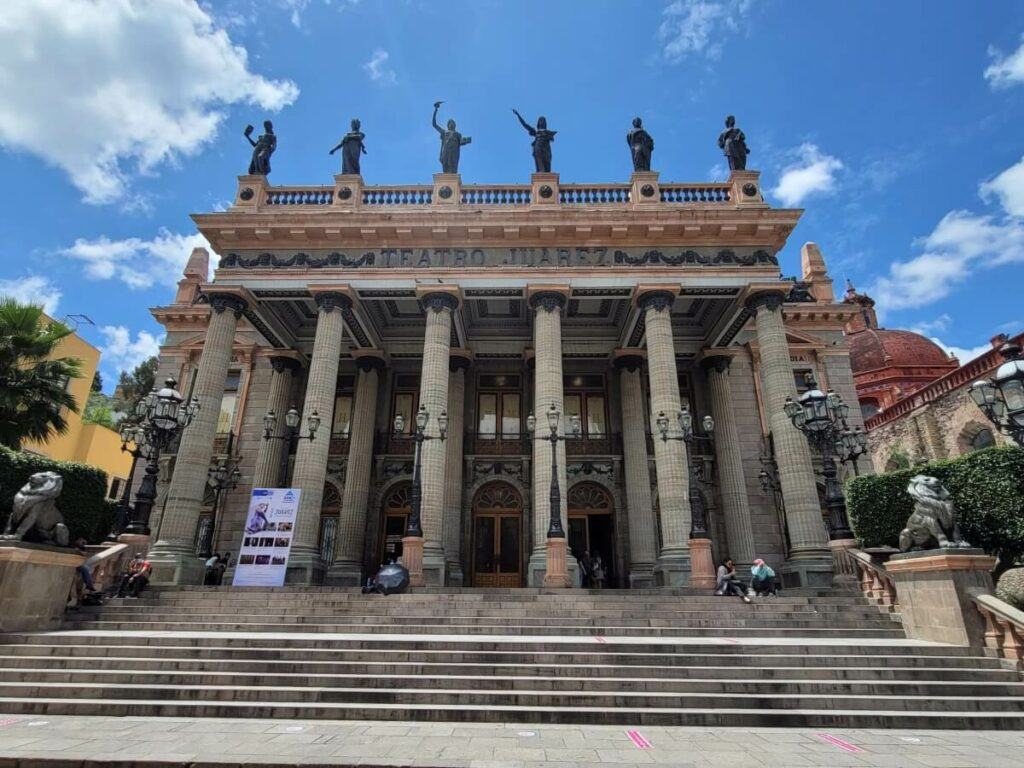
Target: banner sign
x=267, y=538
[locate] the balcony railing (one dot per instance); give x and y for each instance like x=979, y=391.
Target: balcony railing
x=503, y=195
x=300, y=196
x=588, y=194
x=403, y=195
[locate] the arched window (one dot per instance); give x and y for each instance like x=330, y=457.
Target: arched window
x=983, y=439
x=975, y=436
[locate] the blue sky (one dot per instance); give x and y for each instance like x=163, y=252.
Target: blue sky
x=897, y=126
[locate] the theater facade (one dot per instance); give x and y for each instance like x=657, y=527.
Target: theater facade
x=614, y=303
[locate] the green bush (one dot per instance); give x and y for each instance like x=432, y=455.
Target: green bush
x=83, y=501
x=987, y=488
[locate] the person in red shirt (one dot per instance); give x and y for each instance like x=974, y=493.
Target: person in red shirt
x=136, y=578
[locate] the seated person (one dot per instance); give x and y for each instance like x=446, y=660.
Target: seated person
x=136, y=578
x=762, y=578
x=728, y=582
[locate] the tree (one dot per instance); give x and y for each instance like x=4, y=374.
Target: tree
x=34, y=394
x=100, y=409
x=97, y=382
x=134, y=386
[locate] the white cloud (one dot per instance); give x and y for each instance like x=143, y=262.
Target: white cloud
x=104, y=89
x=135, y=262
x=123, y=354
x=33, y=289
x=812, y=172
x=926, y=327
x=963, y=354
x=1007, y=70
x=378, y=70
x=699, y=26
x=1008, y=187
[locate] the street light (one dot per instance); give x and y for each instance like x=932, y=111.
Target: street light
x=131, y=434
x=290, y=434
x=162, y=415
x=698, y=514
x=556, y=575
x=1001, y=398
x=822, y=418
x=222, y=477
x=412, y=542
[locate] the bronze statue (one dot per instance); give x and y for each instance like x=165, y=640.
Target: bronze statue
x=35, y=517
x=351, y=146
x=451, y=143
x=262, y=149
x=541, y=144
x=734, y=144
x=932, y=524
x=641, y=145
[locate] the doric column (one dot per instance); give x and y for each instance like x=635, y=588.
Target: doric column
x=347, y=568
x=809, y=557
x=173, y=557
x=458, y=364
x=670, y=459
x=643, y=536
x=304, y=564
x=268, y=461
x=439, y=307
x=547, y=342
x=732, y=484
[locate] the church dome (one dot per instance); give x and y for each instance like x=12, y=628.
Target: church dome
x=874, y=348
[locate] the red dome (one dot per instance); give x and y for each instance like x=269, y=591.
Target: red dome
x=874, y=348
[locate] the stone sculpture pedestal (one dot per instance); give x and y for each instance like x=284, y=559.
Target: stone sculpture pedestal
x=933, y=592
x=702, y=566
x=556, y=575
x=35, y=580
x=412, y=559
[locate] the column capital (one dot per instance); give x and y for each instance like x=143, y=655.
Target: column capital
x=282, y=363
x=459, y=359
x=630, y=359
x=548, y=301
x=220, y=302
x=370, y=359
x=719, y=362
x=659, y=299
x=770, y=300
x=439, y=301
x=328, y=301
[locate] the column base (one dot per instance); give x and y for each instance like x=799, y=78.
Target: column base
x=454, y=575
x=672, y=568
x=537, y=567
x=702, y=574
x=641, y=576
x=814, y=570
x=304, y=567
x=412, y=559
x=556, y=575
x=434, y=565
x=933, y=588
x=344, y=573
x=845, y=569
x=174, y=565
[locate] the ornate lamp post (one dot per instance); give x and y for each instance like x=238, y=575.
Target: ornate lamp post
x=290, y=435
x=162, y=415
x=412, y=542
x=557, y=572
x=221, y=478
x=822, y=418
x=135, y=436
x=1001, y=398
x=702, y=567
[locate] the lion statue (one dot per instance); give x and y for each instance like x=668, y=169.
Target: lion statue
x=932, y=525
x=35, y=516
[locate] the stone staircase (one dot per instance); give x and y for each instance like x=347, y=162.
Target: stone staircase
x=679, y=657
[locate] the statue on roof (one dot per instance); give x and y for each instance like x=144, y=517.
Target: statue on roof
x=262, y=149
x=641, y=145
x=734, y=144
x=351, y=147
x=451, y=143
x=541, y=144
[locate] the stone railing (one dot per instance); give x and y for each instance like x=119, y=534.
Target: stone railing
x=593, y=194
x=696, y=193
x=299, y=196
x=1004, y=628
x=474, y=194
x=401, y=195
x=875, y=582
x=106, y=563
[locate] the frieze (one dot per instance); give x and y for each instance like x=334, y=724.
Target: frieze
x=587, y=468
x=510, y=469
x=469, y=258
x=396, y=468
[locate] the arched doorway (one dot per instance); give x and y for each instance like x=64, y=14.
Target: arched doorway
x=330, y=509
x=592, y=525
x=497, y=536
x=395, y=511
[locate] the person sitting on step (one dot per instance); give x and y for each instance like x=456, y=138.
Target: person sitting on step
x=136, y=578
x=728, y=583
x=762, y=580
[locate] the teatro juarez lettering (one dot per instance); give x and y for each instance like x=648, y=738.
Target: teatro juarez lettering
x=468, y=258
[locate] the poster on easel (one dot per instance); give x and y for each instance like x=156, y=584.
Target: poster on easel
x=267, y=537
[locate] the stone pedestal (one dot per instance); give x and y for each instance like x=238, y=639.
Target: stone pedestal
x=702, y=566
x=933, y=592
x=35, y=580
x=412, y=559
x=557, y=574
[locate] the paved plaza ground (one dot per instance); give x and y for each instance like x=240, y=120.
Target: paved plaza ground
x=68, y=742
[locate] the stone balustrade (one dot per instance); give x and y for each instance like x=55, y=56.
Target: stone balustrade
x=875, y=582
x=1004, y=629
x=299, y=196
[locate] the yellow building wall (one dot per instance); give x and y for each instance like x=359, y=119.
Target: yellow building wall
x=101, y=447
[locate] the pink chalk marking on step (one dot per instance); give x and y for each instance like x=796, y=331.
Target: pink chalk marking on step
x=599, y=639
x=9, y=721
x=730, y=640
x=837, y=742
x=638, y=739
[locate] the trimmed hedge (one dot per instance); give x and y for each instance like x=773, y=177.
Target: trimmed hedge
x=87, y=511
x=987, y=487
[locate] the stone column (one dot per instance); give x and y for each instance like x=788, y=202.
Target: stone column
x=732, y=484
x=670, y=459
x=643, y=536
x=173, y=557
x=268, y=461
x=810, y=561
x=453, y=469
x=439, y=307
x=347, y=568
x=547, y=341
x=304, y=564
